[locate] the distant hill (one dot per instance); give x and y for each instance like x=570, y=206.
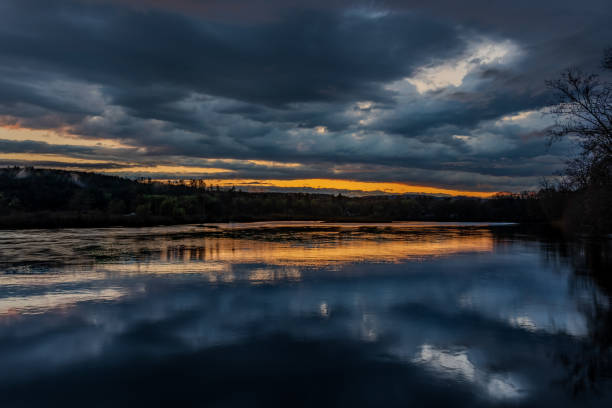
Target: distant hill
x=31, y=197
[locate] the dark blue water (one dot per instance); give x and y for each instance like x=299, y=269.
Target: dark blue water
x=304, y=315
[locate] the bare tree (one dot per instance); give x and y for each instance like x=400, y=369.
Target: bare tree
x=584, y=112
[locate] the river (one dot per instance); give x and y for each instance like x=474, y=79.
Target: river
x=304, y=314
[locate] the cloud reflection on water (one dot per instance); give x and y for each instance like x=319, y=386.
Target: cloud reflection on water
x=470, y=310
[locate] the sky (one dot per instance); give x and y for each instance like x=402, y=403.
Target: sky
x=434, y=96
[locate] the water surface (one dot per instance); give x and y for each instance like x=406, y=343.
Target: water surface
x=304, y=314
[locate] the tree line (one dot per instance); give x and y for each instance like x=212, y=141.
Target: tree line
x=32, y=197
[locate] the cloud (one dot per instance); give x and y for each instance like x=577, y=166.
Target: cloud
x=409, y=92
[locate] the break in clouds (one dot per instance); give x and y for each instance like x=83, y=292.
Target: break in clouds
x=437, y=93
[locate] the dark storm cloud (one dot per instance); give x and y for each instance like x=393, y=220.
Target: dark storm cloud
x=309, y=56
x=319, y=82
x=29, y=146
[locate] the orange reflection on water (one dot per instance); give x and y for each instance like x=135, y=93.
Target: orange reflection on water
x=62, y=278
x=326, y=249
x=34, y=304
x=281, y=254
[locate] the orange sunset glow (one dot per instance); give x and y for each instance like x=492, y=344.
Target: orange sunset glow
x=127, y=168
x=350, y=185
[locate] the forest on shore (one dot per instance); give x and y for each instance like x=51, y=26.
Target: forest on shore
x=49, y=198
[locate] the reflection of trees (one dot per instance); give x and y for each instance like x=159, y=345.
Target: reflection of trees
x=589, y=367
x=591, y=262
